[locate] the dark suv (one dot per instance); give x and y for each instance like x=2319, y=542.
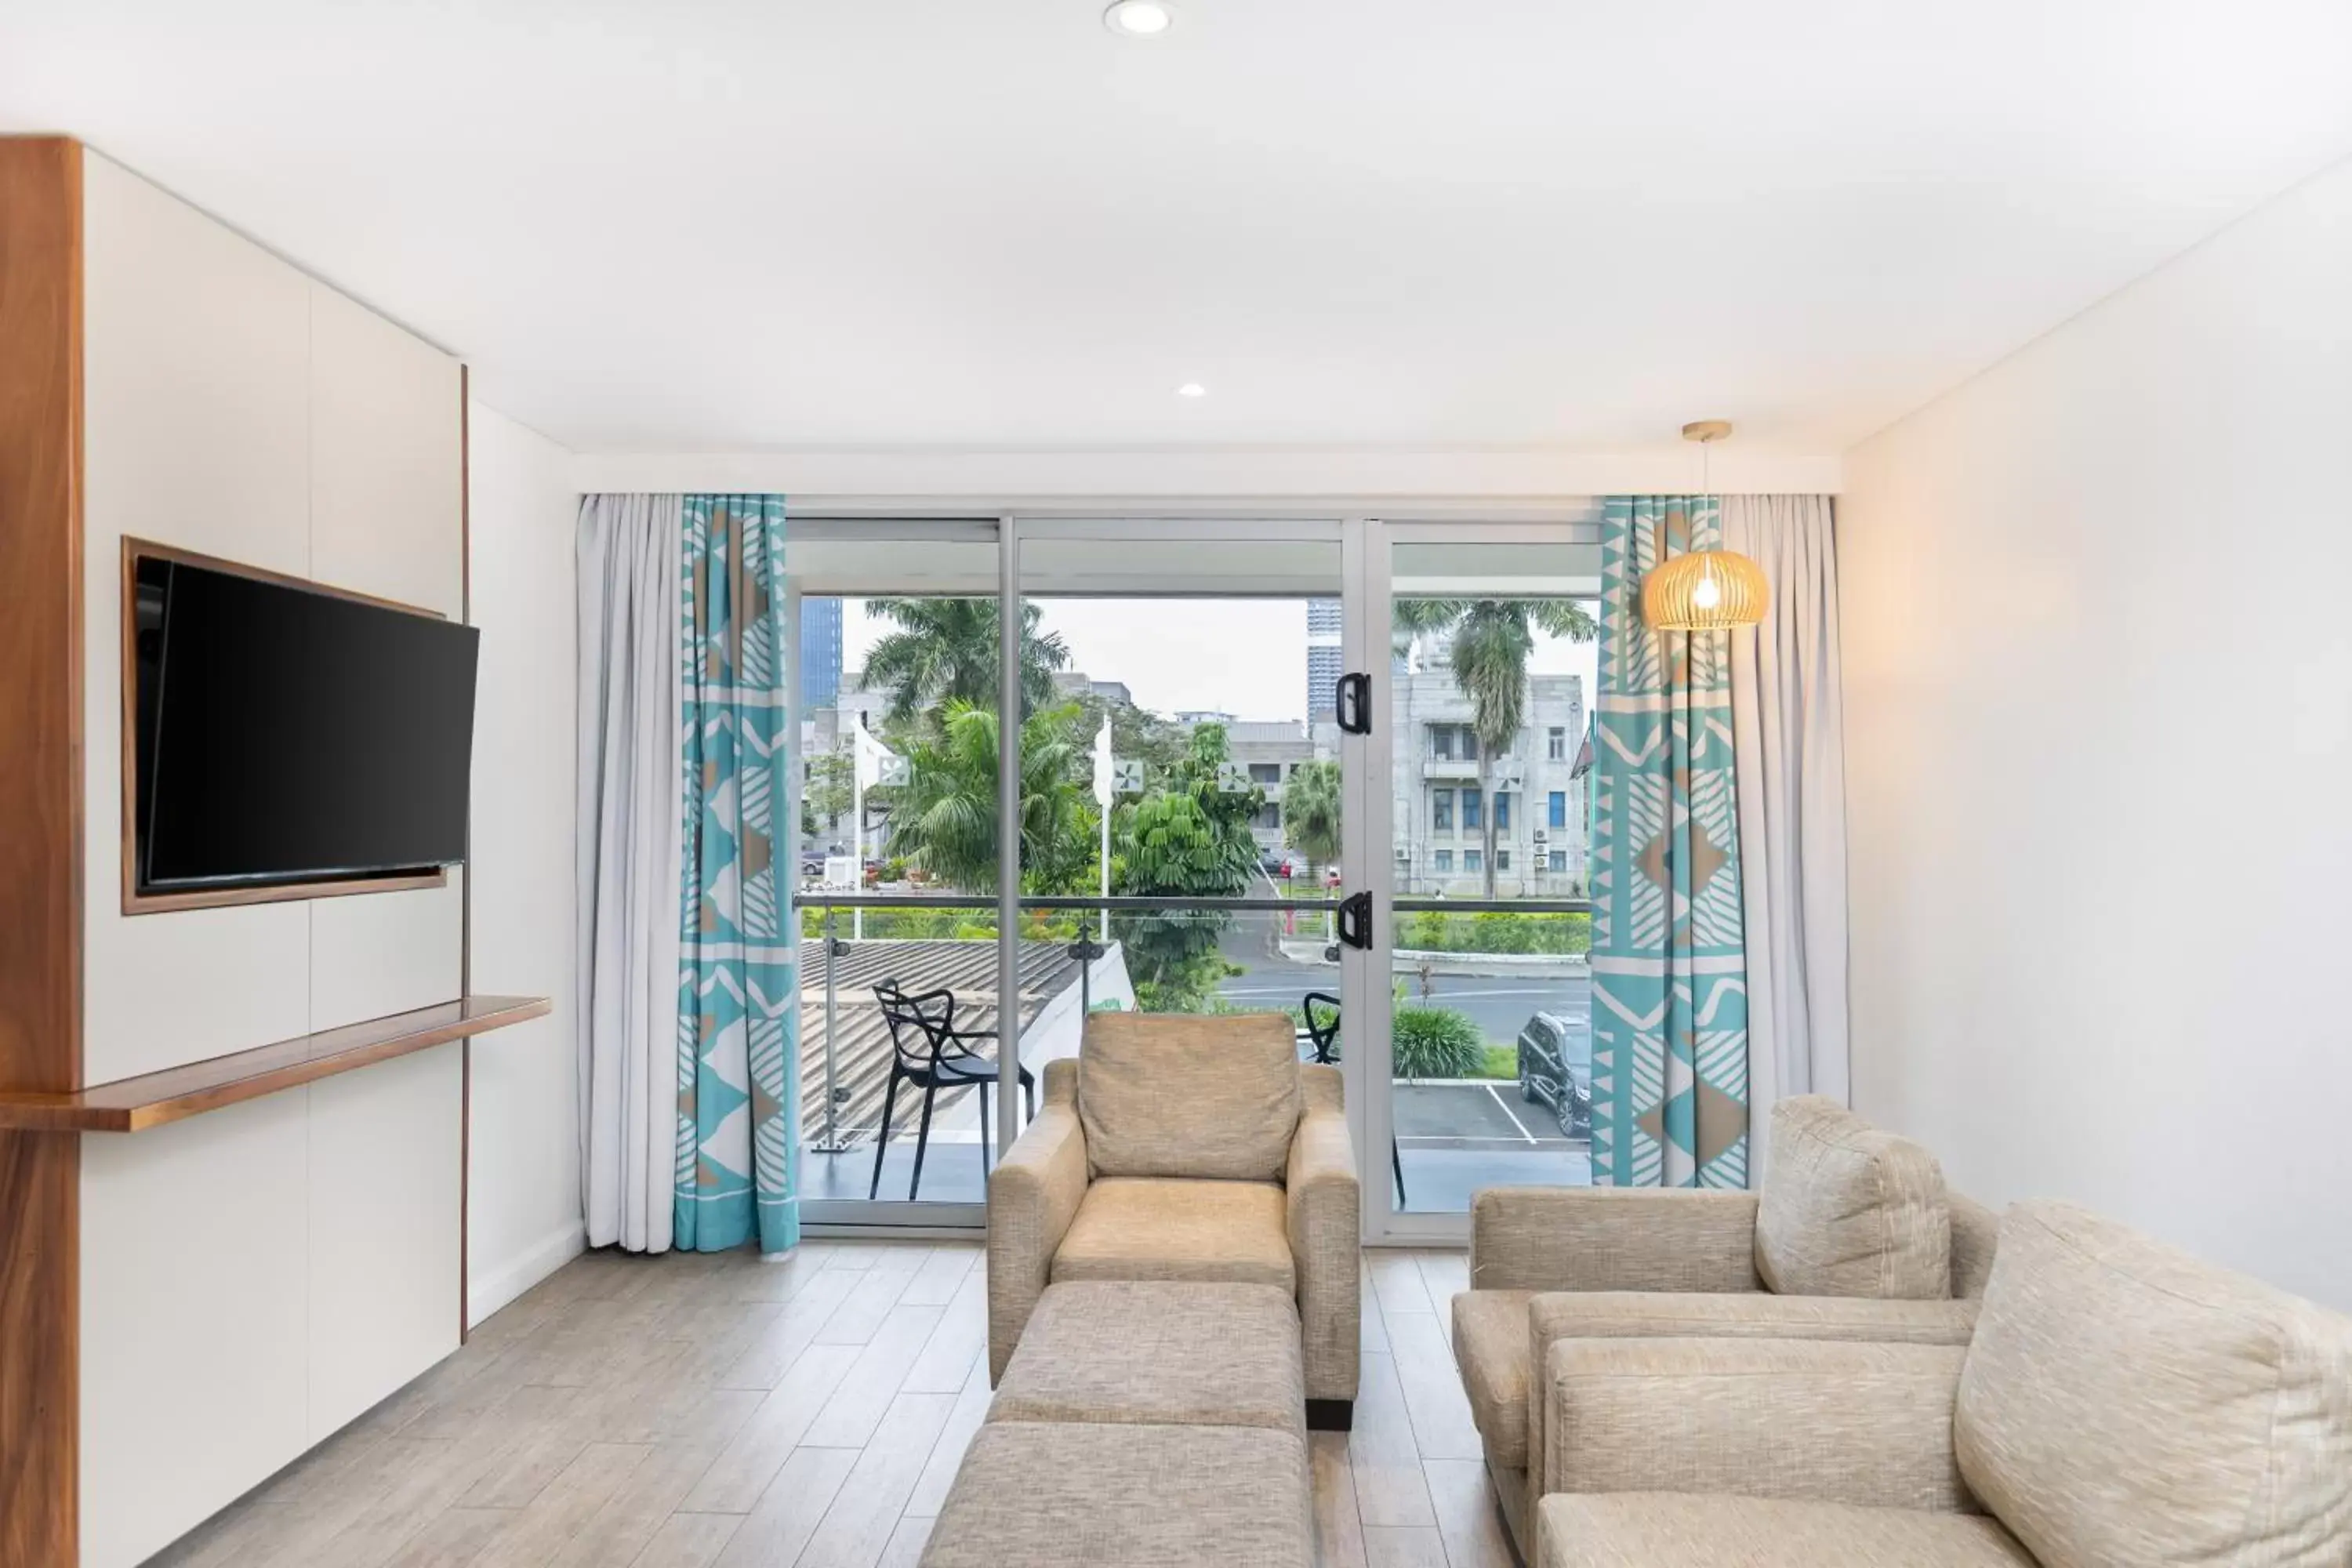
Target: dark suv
x=1556, y=1069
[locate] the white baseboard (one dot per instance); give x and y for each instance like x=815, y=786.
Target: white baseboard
x=487, y=1289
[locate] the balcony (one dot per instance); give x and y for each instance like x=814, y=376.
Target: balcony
x=1463, y=1120
x=1503, y=771
x=846, y=1047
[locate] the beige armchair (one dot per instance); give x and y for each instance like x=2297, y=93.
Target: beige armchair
x=2120, y=1403
x=1187, y=1148
x=1853, y=1238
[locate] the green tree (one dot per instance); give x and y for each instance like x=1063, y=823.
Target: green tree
x=1310, y=812
x=945, y=651
x=1185, y=836
x=1492, y=640
x=943, y=818
x=1137, y=734
x=828, y=793
x=1310, y=819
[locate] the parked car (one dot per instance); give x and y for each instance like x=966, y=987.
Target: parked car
x=1274, y=863
x=1549, y=1052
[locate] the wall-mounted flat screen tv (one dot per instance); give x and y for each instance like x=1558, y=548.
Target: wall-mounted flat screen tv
x=288, y=734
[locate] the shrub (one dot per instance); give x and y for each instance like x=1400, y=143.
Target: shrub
x=1435, y=1042
x=1550, y=932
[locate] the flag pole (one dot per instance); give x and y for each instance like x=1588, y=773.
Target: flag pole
x=857, y=814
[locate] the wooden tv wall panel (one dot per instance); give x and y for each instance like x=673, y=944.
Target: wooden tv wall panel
x=201, y=1302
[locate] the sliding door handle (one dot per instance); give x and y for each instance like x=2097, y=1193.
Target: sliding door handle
x=1353, y=700
x=1356, y=919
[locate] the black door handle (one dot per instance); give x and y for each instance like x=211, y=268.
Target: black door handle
x=1353, y=701
x=1356, y=919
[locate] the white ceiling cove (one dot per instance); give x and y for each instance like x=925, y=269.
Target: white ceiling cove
x=668, y=224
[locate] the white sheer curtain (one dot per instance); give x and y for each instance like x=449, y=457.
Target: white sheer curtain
x=631, y=795
x=1789, y=751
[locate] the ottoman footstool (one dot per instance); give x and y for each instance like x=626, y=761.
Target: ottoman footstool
x=1050, y=1494
x=1140, y=1424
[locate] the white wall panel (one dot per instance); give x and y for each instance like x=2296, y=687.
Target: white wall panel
x=525, y=1199
x=196, y=1281
x=384, y=1200
x=254, y=1276
x=374, y=953
x=2099, y=736
x=195, y=365
x=385, y=496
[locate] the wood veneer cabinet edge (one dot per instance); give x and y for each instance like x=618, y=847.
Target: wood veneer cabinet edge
x=40, y=854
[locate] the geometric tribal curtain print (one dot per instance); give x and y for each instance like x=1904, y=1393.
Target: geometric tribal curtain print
x=1669, y=963
x=737, y=1082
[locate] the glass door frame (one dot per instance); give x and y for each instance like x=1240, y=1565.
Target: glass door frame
x=1371, y=831
x=1193, y=525
x=911, y=577
x=1366, y=542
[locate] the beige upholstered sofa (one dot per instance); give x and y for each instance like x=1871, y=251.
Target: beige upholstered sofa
x=1853, y=1236
x=2120, y=1404
x=1194, y=1149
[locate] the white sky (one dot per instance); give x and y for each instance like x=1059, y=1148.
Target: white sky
x=1242, y=656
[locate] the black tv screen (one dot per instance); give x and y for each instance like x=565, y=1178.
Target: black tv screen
x=288, y=734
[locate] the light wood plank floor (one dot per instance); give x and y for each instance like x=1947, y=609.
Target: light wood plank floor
x=800, y=1412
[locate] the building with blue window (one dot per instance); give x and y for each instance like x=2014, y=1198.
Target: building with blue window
x=821, y=625
x=1323, y=666
x=1534, y=792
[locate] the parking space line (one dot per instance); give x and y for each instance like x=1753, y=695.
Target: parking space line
x=1512, y=1114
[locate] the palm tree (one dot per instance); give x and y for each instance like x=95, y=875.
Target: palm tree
x=943, y=818
x=945, y=651
x=1310, y=815
x=1492, y=640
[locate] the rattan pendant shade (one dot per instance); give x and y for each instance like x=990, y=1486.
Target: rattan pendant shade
x=1705, y=590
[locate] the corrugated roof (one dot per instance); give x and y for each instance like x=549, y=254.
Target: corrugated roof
x=862, y=1056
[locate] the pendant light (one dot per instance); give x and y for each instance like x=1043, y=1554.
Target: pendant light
x=1705, y=590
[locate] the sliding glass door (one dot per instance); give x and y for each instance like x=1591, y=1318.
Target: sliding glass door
x=1335, y=768
x=1484, y=934
x=897, y=704
x=1182, y=788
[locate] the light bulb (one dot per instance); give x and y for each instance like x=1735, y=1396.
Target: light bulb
x=1706, y=593
x=1139, y=18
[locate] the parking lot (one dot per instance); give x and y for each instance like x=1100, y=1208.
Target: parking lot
x=1474, y=1113
x=1455, y=1137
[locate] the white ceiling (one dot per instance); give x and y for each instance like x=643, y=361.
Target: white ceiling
x=1565, y=224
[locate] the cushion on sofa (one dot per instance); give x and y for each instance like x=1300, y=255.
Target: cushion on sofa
x=1491, y=1347
x=1172, y=1095
x=1495, y=1333
x=1976, y=1239
x=1131, y=1228
x=1848, y=1210
x=2125, y=1403
x=1644, y=1530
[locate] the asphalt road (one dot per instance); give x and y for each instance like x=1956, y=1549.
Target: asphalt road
x=1499, y=1005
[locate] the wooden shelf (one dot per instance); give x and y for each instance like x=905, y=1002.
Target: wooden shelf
x=135, y=1104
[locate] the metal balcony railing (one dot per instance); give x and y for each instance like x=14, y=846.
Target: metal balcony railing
x=850, y=1054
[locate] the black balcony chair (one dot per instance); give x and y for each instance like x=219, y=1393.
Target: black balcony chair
x=1321, y=1011
x=928, y=1050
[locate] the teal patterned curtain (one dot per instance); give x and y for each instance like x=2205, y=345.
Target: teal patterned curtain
x=738, y=1081
x=1669, y=960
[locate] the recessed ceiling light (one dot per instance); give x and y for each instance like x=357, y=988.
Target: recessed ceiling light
x=1192, y=389
x=1139, y=18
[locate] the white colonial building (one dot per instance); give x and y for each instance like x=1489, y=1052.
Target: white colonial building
x=1534, y=790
